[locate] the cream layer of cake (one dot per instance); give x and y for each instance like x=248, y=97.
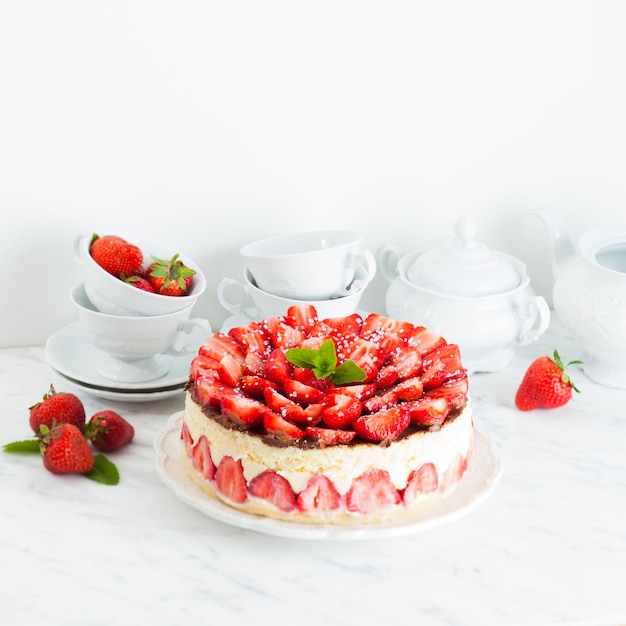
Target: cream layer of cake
x=447, y=448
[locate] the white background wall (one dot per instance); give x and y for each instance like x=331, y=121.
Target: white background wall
x=209, y=124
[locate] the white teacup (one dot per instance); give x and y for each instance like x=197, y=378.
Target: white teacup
x=112, y=295
x=133, y=347
x=240, y=297
x=316, y=265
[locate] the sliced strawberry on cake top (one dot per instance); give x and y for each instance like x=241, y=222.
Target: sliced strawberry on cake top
x=424, y=340
x=386, y=424
x=443, y=363
x=278, y=426
x=302, y=393
x=277, y=368
x=302, y=317
x=281, y=333
x=367, y=355
x=253, y=336
x=340, y=410
x=246, y=412
x=219, y=344
x=429, y=411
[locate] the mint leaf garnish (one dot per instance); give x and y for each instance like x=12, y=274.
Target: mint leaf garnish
x=348, y=372
x=26, y=446
x=302, y=357
x=104, y=471
x=323, y=363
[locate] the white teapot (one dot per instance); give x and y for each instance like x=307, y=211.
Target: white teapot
x=475, y=297
x=589, y=296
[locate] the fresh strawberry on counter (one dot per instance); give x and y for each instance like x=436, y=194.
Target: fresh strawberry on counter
x=546, y=384
x=62, y=407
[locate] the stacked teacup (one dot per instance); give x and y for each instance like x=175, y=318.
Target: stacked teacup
x=134, y=330
x=326, y=268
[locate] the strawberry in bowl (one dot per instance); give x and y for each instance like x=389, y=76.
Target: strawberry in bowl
x=117, y=275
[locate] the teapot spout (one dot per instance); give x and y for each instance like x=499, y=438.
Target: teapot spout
x=562, y=247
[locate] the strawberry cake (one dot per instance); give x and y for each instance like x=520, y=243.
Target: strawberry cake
x=358, y=419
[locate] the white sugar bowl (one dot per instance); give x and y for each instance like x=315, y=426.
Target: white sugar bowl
x=478, y=298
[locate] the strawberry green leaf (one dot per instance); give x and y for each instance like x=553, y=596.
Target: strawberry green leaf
x=104, y=471
x=23, y=447
x=323, y=363
x=565, y=376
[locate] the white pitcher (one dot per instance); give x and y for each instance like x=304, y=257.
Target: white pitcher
x=589, y=295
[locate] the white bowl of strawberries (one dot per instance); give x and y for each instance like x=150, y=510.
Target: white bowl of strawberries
x=136, y=276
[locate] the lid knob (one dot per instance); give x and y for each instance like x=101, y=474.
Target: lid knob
x=465, y=230
x=464, y=266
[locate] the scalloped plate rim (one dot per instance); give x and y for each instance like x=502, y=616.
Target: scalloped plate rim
x=477, y=484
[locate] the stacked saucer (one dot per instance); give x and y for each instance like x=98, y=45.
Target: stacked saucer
x=134, y=346
x=75, y=359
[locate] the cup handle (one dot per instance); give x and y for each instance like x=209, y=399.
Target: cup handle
x=242, y=293
x=364, y=260
x=389, y=259
x=364, y=265
x=536, y=315
x=187, y=327
x=78, y=244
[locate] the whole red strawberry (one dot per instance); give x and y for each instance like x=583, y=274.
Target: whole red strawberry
x=170, y=277
x=545, y=385
x=108, y=430
x=56, y=407
x=65, y=450
x=115, y=255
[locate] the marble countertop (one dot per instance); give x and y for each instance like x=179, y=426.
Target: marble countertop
x=547, y=547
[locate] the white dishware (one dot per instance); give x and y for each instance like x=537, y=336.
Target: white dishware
x=239, y=296
x=111, y=295
x=72, y=357
x=316, y=265
x=134, y=347
x=475, y=297
x=589, y=295
x=477, y=484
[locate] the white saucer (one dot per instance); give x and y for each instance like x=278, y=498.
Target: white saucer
x=125, y=395
x=74, y=358
x=476, y=485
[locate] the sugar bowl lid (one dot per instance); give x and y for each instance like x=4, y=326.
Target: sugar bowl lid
x=464, y=266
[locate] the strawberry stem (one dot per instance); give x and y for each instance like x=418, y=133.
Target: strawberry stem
x=565, y=377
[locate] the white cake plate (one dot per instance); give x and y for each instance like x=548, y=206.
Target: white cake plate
x=475, y=486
